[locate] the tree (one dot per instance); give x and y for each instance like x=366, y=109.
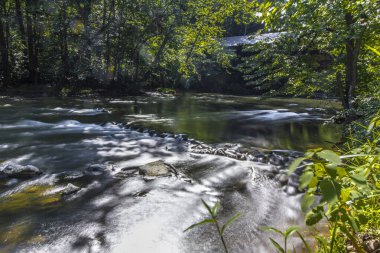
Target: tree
x=338, y=28
x=4, y=48
x=99, y=43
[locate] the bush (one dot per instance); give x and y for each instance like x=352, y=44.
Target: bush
x=344, y=188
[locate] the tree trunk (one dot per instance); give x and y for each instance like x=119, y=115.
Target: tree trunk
x=340, y=88
x=5, y=69
x=64, y=47
x=85, y=13
x=32, y=60
x=159, y=53
x=107, y=50
x=37, y=33
x=20, y=21
x=351, y=63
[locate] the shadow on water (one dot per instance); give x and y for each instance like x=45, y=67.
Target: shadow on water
x=135, y=214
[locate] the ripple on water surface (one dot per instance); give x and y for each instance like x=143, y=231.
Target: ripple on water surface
x=145, y=215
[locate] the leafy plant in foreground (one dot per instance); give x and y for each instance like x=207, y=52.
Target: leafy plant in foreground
x=213, y=211
x=345, y=189
x=286, y=234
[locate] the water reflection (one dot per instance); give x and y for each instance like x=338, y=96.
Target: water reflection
x=295, y=124
x=271, y=123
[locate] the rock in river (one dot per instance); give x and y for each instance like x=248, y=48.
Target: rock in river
x=64, y=190
x=70, y=176
x=98, y=169
x=155, y=169
x=70, y=189
x=14, y=170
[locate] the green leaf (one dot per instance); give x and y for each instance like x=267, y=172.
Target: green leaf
x=293, y=166
x=331, y=170
x=370, y=127
x=360, y=204
x=341, y=171
x=355, y=194
x=330, y=156
x=359, y=179
x=354, y=224
x=215, y=209
x=229, y=222
x=363, y=219
x=273, y=230
x=313, y=183
x=309, y=154
x=207, y=207
x=330, y=190
x=313, y=217
x=345, y=194
x=319, y=169
x=322, y=241
x=200, y=223
x=373, y=50
x=305, y=179
x=307, y=201
x=304, y=242
x=290, y=231
x=278, y=247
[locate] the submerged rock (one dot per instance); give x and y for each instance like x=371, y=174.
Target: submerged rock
x=282, y=178
x=70, y=176
x=155, y=169
x=11, y=182
x=98, y=169
x=127, y=172
x=182, y=137
x=14, y=170
x=63, y=190
x=70, y=189
x=291, y=190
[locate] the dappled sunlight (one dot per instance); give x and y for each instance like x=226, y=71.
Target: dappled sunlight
x=92, y=197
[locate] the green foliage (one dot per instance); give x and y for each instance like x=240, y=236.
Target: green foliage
x=166, y=90
x=373, y=50
x=285, y=66
x=323, y=48
x=65, y=91
x=346, y=187
x=286, y=234
x=213, y=211
x=115, y=41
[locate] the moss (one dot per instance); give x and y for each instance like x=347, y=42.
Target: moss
x=32, y=197
x=37, y=239
x=16, y=233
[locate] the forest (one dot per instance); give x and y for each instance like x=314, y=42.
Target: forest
x=190, y=126
x=123, y=43
x=150, y=44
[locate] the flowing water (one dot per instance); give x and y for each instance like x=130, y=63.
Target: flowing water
x=136, y=214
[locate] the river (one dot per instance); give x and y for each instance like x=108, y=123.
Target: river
x=106, y=213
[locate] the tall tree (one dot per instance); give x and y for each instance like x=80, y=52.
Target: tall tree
x=31, y=6
x=21, y=27
x=341, y=28
x=5, y=66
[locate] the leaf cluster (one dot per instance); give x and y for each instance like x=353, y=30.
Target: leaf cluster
x=344, y=188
